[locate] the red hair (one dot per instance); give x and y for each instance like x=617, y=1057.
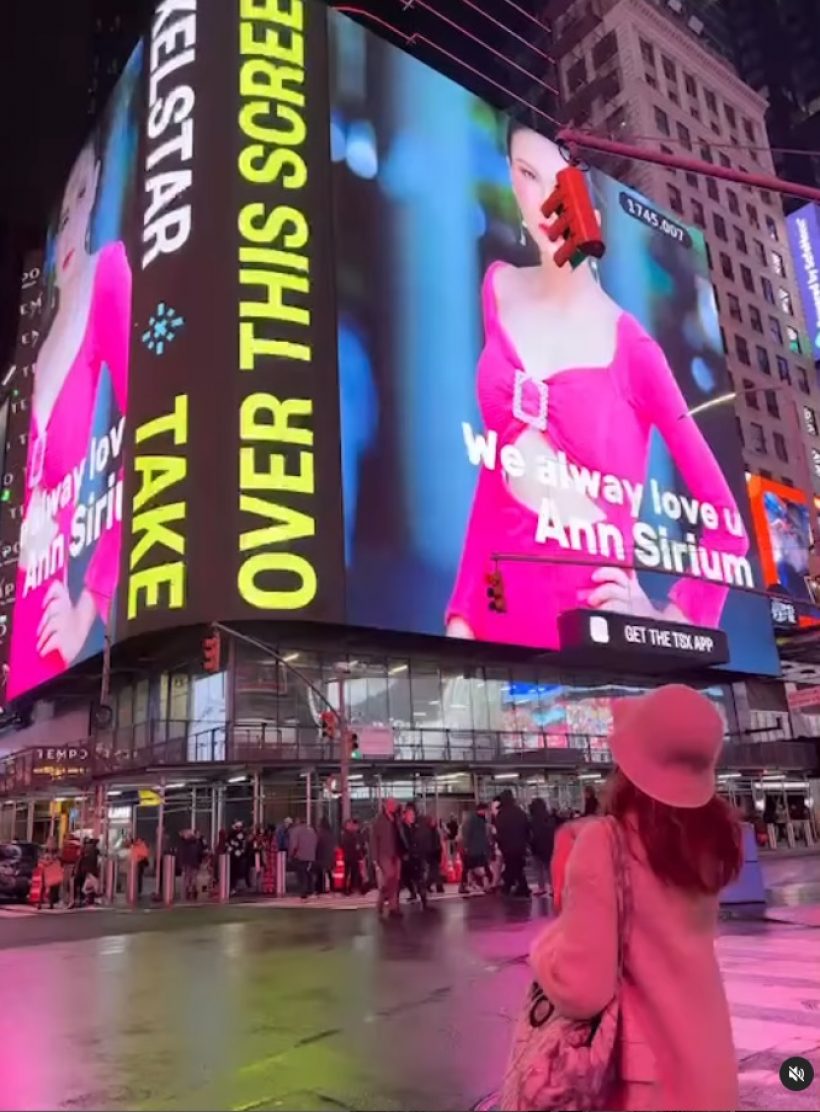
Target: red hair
x=698, y=849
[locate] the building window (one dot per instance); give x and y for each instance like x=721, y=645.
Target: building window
x=689, y=85
x=783, y=369
x=711, y=100
x=750, y=394
x=723, y=341
x=780, y=447
x=675, y=199
x=815, y=459
x=672, y=93
x=803, y=381
x=747, y=278
x=778, y=266
x=768, y=289
x=732, y=202
x=706, y=153
x=709, y=256
x=771, y=404
x=668, y=150
x=740, y=436
x=577, y=76
x=810, y=419
x=726, y=268
x=742, y=350
x=694, y=112
x=753, y=218
x=763, y=363
x=720, y=227
x=771, y=228
x=758, y=437
x=775, y=331
x=684, y=136
x=648, y=52
x=734, y=307
x=731, y=115
x=692, y=180
x=669, y=70
x=749, y=129
x=760, y=252
x=723, y=160
x=755, y=319
x=712, y=189
x=698, y=215
x=650, y=79
x=785, y=299
x=793, y=340
x=662, y=121
x=740, y=240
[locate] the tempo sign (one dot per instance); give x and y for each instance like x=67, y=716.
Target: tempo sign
x=804, y=240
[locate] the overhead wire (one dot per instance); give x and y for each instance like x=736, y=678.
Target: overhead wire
x=508, y=30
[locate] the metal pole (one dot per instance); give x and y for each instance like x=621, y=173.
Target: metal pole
x=308, y=789
x=160, y=838
x=256, y=809
x=30, y=821
x=344, y=753
x=193, y=807
x=214, y=816
x=590, y=142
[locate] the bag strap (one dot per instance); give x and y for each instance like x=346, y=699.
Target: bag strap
x=623, y=889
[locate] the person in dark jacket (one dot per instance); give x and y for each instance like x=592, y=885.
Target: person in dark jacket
x=542, y=841
x=416, y=839
x=475, y=844
x=591, y=804
x=436, y=847
x=513, y=832
x=237, y=849
x=325, y=857
x=385, y=853
x=189, y=858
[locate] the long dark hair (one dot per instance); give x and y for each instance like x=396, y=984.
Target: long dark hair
x=698, y=849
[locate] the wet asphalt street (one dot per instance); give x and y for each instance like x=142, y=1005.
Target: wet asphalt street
x=270, y=1008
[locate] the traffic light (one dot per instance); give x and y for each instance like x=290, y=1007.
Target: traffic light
x=353, y=746
x=329, y=723
x=575, y=220
x=495, y=592
x=211, y=652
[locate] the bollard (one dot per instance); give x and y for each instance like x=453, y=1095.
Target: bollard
x=790, y=834
x=224, y=878
x=169, y=878
x=281, y=873
x=131, y=881
x=771, y=830
x=807, y=833
x=110, y=880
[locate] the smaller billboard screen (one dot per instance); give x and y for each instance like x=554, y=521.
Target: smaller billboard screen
x=783, y=527
x=804, y=240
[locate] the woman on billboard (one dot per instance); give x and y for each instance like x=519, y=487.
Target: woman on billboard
x=576, y=386
x=71, y=531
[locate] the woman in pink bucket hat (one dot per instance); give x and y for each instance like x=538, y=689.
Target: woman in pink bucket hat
x=675, y=1046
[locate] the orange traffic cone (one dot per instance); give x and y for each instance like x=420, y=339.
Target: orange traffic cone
x=339, y=872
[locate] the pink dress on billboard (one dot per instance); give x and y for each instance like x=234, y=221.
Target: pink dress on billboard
x=602, y=419
x=61, y=446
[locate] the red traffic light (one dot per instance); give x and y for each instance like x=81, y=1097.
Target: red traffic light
x=352, y=740
x=574, y=219
x=495, y=592
x=211, y=652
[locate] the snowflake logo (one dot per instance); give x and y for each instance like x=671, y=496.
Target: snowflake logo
x=163, y=328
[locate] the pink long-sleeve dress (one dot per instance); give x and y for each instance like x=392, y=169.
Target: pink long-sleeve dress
x=61, y=446
x=602, y=419
x=675, y=1046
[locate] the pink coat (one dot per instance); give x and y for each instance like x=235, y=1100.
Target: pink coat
x=676, y=1040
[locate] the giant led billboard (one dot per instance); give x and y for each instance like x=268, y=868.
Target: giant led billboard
x=783, y=528
x=501, y=413
x=305, y=355
x=804, y=239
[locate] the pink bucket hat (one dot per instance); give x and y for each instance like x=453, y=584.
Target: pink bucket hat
x=667, y=742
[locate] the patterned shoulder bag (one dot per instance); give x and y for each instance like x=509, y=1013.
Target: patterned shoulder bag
x=560, y=1063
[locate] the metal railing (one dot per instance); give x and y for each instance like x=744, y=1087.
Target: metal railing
x=186, y=744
